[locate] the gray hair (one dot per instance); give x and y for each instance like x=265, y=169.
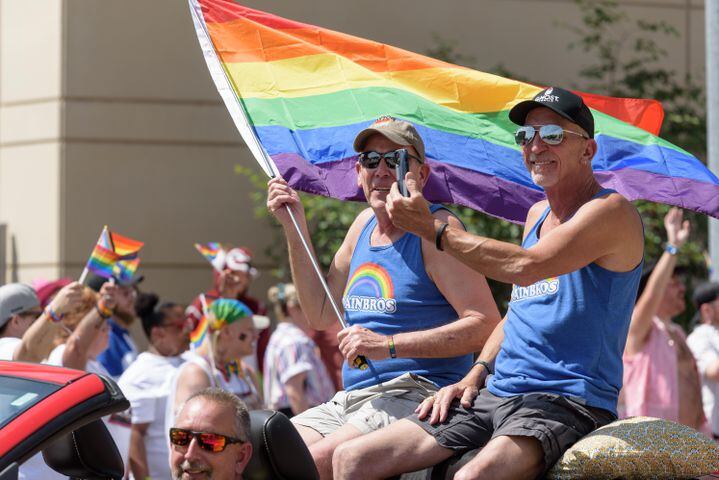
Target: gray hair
x=223, y=397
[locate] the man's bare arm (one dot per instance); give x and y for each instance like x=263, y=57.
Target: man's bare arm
x=37, y=342
x=467, y=291
x=315, y=304
x=605, y=230
x=466, y=389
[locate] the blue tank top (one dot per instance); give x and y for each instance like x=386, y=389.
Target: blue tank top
x=389, y=292
x=566, y=334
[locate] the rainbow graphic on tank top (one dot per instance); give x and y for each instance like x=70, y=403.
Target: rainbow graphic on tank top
x=377, y=290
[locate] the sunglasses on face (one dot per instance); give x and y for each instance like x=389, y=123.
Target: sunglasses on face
x=371, y=159
x=550, y=134
x=211, y=442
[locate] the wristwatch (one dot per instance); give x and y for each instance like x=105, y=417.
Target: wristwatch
x=671, y=249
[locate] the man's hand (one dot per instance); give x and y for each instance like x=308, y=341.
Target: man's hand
x=439, y=403
x=356, y=341
x=68, y=296
x=411, y=214
x=108, y=295
x=677, y=230
x=280, y=194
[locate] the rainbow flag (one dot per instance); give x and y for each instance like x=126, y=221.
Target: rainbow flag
x=198, y=334
x=299, y=94
x=102, y=261
x=213, y=253
x=124, y=270
x=125, y=247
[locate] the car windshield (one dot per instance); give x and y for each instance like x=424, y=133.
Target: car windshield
x=18, y=395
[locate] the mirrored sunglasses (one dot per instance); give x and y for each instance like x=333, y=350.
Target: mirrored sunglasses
x=211, y=442
x=392, y=159
x=550, y=134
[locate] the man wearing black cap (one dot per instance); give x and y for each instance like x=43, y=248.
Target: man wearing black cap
x=552, y=369
x=416, y=313
x=704, y=342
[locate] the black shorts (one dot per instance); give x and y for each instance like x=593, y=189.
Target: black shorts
x=556, y=421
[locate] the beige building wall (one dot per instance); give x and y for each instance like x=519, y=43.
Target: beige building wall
x=108, y=116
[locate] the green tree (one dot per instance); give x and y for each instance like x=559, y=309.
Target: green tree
x=626, y=60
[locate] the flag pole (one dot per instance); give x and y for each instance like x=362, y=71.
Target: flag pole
x=234, y=105
x=85, y=271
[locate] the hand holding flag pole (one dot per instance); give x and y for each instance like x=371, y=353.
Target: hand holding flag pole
x=239, y=116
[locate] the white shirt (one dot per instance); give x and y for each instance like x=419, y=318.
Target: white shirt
x=146, y=384
x=8, y=345
x=704, y=343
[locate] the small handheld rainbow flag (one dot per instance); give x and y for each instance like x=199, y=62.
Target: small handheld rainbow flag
x=126, y=248
x=124, y=270
x=102, y=261
x=109, y=250
x=213, y=252
x=198, y=334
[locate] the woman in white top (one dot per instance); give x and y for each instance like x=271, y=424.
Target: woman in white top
x=146, y=384
x=230, y=334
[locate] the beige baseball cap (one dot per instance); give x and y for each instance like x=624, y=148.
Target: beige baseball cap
x=398, y=131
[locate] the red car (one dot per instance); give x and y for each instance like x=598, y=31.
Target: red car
x=57, y=411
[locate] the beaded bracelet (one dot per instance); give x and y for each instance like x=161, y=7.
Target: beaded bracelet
x=52, y=315
x=104, y=311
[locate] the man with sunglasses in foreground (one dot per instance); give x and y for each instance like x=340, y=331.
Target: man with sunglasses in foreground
x=204, y=442
x=414, y=312
x=552, y=369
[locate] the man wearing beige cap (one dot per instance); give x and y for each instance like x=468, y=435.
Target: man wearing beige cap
x=414, y=312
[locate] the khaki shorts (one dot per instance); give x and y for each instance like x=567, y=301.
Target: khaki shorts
x=370, y=408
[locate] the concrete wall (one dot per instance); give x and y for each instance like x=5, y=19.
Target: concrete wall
x=108, y=116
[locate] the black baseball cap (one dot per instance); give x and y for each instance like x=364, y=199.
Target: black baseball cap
x=96, y=282
x=565, y=103
x=705, y=293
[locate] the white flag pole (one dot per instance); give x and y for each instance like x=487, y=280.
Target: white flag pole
x=239, y=116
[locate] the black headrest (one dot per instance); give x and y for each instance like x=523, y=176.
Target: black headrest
x=279, y=453
x=88, y=452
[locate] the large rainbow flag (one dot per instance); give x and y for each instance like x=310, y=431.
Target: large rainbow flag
x=300, y=93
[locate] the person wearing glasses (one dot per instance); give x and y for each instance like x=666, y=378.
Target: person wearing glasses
x=26, y=330
x=210, y=437
x=146, y=384
x=216, y=360
x=552, y=370
x=415, y=313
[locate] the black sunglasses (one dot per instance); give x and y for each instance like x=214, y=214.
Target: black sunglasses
x=392, y=159
x=211, y=442
x=550, y=134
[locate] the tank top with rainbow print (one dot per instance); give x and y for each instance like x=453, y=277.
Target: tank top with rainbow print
x=566, y=334
x=389, y=292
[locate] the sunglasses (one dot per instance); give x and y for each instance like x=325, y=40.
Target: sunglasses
x=211, y=442
x=550, y=134
x=371, y=159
